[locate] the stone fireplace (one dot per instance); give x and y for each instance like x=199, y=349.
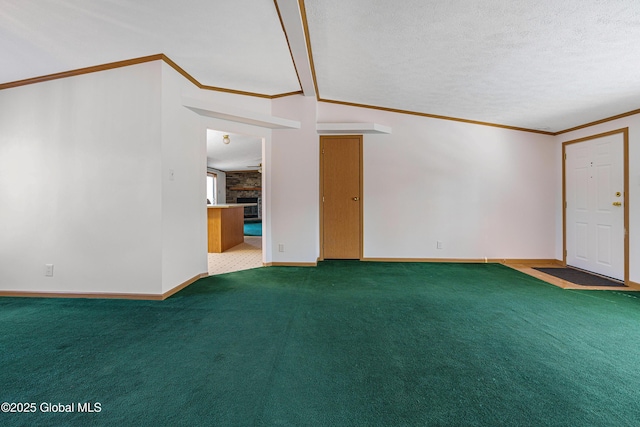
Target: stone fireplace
x=246, y=187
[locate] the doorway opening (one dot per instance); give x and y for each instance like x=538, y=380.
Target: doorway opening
x=234, y=177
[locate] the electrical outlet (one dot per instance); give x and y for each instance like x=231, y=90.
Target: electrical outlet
x=280, y=247
x=48, y=270
x=439, y=244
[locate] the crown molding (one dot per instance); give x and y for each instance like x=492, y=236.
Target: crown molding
x=597, y=122
x=81, y=71
x=180, y=70
x=434, y=116
x=135, y=61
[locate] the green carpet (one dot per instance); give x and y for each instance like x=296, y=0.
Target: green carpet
x=345, y=344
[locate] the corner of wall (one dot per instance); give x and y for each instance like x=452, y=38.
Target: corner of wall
x=183, y=179
x=293, y=183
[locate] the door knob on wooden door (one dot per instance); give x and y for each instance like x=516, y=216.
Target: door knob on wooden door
x=355, y=199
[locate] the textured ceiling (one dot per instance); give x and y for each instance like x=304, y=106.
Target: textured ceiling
x=244, y=152
x=543, y=64
x=547, y=65
x=235, y=44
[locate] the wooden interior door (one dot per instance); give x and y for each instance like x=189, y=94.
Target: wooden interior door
x=341, y=187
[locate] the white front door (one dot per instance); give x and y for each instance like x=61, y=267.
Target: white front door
x=595, y=205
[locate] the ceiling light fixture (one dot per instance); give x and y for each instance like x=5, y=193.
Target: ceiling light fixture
x=225, y=139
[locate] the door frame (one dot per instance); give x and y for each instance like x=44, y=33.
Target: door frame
x=625, y=161
x=262, y=133
x=321, y=192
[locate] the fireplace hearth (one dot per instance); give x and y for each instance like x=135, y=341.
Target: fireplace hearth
x=251, y=212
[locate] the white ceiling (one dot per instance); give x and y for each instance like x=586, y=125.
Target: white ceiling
x=235, y=44
x=244, y=152
x=547, y=64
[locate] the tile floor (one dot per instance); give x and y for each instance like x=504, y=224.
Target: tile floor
x=241, y=257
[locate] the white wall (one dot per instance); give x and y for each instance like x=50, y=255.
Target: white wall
x=85, y=185
x=184, y=214
x=483, y=191
x=228, y=102
x=294, y=181
x=80, y=184
x=633, y=198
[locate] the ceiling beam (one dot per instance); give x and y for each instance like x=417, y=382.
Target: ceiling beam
x=351, y=128
x=292, y=23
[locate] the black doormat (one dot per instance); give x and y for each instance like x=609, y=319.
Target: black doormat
x=578, y=277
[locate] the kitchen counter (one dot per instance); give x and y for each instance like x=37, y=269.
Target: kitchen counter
x=225, y=226
x=231, y=205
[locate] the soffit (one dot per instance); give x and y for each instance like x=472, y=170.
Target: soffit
x=237, y=45
x=547, y=65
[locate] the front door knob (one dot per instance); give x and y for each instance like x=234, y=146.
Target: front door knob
x=617, y=204
x=355, y=199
